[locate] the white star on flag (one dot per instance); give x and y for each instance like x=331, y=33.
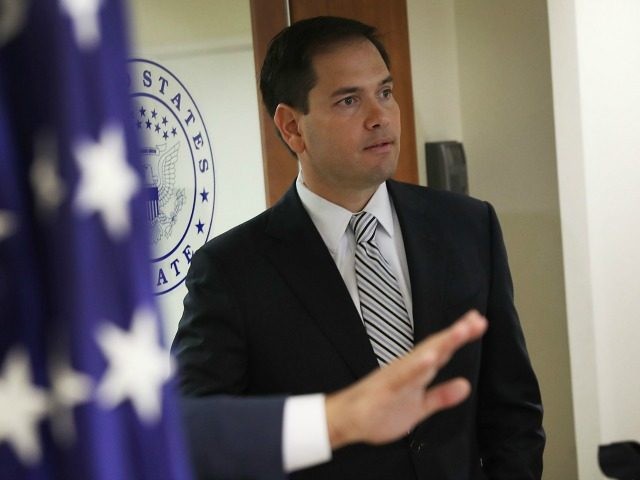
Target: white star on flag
x=85, y=18
x=107, y=181
x=138, y=365
x=22, y=407
x=8, y=224
x=46, y=183
x=70, y=389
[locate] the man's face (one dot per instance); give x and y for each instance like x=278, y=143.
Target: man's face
x=350, y=138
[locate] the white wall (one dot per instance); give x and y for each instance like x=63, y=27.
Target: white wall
x=507, y=118
x=596, y=81
x=434, y=71
x=207, y=44
x=481, y=74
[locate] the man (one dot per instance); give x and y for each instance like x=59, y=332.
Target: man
x=350, y=269
x=235, y=437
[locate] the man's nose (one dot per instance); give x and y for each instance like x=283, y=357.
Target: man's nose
x=377, y=116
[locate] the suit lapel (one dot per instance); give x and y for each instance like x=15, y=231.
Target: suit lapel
x=304, y=261
x=426, y=257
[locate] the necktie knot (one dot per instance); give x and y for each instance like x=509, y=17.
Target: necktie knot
x=364, y=226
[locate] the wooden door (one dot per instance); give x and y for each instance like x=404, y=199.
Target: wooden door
x=390, y=18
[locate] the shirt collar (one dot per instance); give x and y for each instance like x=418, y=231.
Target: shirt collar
x=380, y=206
x=332, y=220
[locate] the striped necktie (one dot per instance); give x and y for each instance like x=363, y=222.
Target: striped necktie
x=383, y=309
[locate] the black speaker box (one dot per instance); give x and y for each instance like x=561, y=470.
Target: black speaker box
x=447, y=166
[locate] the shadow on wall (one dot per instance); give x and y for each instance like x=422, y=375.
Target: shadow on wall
x=532, y=241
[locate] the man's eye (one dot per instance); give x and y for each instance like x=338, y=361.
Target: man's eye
x=387, y=93
x=348, y=101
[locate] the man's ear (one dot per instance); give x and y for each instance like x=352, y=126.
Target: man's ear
x=286, y=119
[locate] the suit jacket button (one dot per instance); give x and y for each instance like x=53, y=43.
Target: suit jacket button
x=418, y=446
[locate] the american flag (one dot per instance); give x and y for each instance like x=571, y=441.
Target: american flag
x=85, y=389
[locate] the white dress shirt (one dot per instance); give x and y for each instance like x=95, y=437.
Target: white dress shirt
x=332, y=222
x=305, y=436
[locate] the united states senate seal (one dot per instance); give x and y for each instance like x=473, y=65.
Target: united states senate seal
x=179, y=170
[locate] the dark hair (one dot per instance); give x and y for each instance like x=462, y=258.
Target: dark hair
x=287, y=74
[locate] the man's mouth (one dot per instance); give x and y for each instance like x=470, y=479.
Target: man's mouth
x=381, y=145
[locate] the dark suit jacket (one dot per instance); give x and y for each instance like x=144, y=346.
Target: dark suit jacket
x=235, y=437
x=268, y=313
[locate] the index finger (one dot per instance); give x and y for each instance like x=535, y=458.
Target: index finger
x=421, y=365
